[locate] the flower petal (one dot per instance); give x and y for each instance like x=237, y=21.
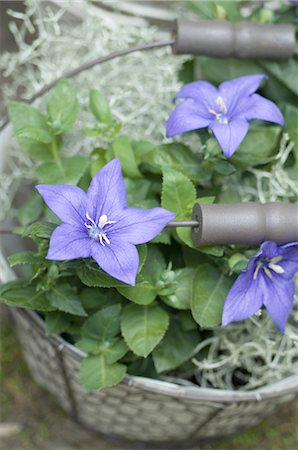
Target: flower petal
x=269, y=249
x=289, y=260
x=187, y=116
x=260, y=108
x=278, y=300
x=106, y=193
x=199, y=90
x=230, y=135
x=67, y=202
x=138, y=226
x=233, y=90
x=119, y=259
x=69, y=242
x=244, y=299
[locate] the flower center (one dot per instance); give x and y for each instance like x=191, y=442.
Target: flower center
x=221, y=114
x=269, y=265
x=96, y=230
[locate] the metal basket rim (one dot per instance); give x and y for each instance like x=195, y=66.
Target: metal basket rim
x=288, y=386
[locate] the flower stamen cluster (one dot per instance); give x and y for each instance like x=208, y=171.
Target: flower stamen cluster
x=96, y=230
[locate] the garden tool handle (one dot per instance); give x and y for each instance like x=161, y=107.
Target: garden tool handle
x=245, y=223
x=242, y=40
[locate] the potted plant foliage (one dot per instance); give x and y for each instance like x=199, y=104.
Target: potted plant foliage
x=121, y=316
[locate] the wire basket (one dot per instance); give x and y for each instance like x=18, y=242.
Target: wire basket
x=143, y=410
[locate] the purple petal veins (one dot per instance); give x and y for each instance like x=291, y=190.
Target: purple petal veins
x=266, y=281
x=98, y=224
x=225, y=110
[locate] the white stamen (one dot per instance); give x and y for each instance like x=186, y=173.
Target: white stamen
x=256, y=271
x=221, y=104
x=91, y=220
x=275, y=259
x=268, y=273
x=103, y=220
x=276, y=268
x=96, y=231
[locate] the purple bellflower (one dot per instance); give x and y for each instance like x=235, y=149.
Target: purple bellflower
x=98, y=224
x=266, y=281
x=225, y=110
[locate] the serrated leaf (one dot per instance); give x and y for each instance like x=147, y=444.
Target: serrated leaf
x=94, y=277
x=210, y=288
x=40, y=230
x=63, y=298
x=96, y=373
x=175, y=348
x=24, y=258
x=123, y=150
x=69, y=170
x=143, y=327
x=177, y=157
x=34, y=133
x=62, y=107
x=113, y=350
x=19, y=293
x=99, y=107
x=104, y=324
x=56, y=322
x=178, y=193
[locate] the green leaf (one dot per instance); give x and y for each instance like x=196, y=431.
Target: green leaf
x=136, y=191
x=31, y=129
x=210, y=288
x=34, y=133
x=96, y=298
x=62, y=107
x=143, y=327
x=92, y=276
x=56, y=322
x=175, y=348
x=112, y=350
x=176, y=157
x=63, y=298
x=142, y=293
x=182, y=296
x=284, y=71
x=123, y=150
x=178, y=193
x=42, y=230
x=115, y=350
x=68, y=171
x=24, y=258
x=104, y=324
x=99, y=107
x=257, y=146
x=154, y=266
x=291, y=122
x=96, y=373
x=31, y=210
x=223, y=167
x=19, y=293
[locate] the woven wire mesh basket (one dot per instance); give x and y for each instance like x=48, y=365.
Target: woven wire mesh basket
x=143, y=410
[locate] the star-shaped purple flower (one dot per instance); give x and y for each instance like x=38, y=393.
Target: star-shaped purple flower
x=266, y=281
x=98, y=224
x=225, y=110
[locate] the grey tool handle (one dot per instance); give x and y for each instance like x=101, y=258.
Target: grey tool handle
x=242, y=40
x=245, y=223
